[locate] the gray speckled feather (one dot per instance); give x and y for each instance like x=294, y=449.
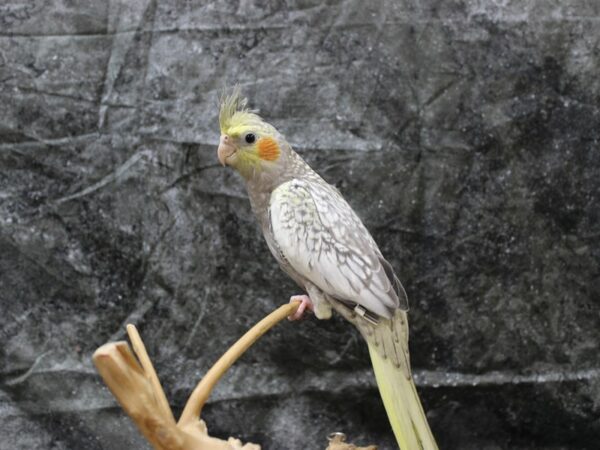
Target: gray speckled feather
x=320, y=241
x=325, y=242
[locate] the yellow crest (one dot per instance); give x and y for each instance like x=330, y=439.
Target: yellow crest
x=234, y=112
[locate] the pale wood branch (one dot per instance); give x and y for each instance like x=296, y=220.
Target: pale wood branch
x=136, y=386
x=194, y=405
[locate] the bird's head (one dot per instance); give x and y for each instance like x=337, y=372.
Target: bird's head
x=248, y=144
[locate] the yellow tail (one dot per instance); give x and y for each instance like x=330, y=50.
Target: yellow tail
x=402, y=404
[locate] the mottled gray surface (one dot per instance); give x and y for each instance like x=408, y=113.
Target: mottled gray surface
x=465, y=133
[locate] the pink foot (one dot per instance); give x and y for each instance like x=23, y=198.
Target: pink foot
x=305, y=303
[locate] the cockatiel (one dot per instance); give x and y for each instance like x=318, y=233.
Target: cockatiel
x=320, y=242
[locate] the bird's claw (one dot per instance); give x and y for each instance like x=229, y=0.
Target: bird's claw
x=305, y=304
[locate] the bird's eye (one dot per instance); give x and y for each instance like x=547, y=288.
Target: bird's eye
x=250, y=138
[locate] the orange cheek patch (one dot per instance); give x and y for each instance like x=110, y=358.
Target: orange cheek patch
x=268, y=149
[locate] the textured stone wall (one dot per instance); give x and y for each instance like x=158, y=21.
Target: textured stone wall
x=465, y=133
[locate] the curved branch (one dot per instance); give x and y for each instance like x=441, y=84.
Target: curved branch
x=194, y=405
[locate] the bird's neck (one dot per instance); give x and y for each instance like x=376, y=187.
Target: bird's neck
x=261, y=185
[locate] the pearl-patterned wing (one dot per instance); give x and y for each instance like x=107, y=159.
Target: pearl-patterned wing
x=324, y=241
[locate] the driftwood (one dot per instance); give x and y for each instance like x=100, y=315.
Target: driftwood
x=131, y=378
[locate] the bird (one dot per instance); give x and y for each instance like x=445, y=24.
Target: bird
x=322, y=244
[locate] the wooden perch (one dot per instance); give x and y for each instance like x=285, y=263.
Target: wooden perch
x=337, y=441
x=135, y=384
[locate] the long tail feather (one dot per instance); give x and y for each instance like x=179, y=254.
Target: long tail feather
x=388, y=346
x=402, y=404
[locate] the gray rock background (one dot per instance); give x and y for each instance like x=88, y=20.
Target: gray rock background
x=465, y=133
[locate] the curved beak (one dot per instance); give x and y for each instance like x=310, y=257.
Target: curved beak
x=226, y=149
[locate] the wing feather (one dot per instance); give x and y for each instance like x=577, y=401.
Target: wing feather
x=325, y=242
